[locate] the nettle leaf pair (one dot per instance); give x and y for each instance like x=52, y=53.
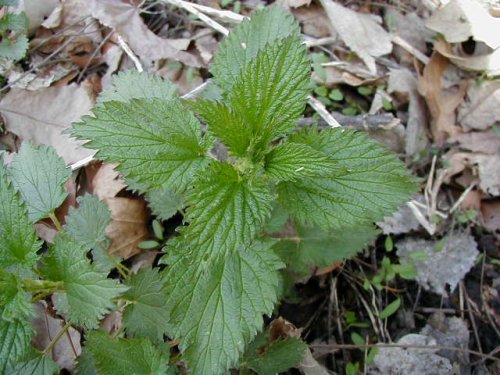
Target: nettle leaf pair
x=248, y=173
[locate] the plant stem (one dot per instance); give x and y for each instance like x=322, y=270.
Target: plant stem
x=57, y=337
x=56, y=221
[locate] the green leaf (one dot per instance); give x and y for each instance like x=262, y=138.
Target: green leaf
x=15, y=302
x=226, y=124
x=278, y=219
x=357, y=339
x=225, y=210
x=216, y=305
x=18, y=241
x=14, y=47
x=374, y=182
x=85, y=363
x=290, y=161
x=164, y=202
x=279, y=357
x=125, y=356
x=36, y=363
x=270, y=93
x=132, y=84
x=87, y=294
x=87, y=223
x=39, y=174
x=14, y=22
x=390, y=309
x=8, y=2
x=157, y=143
x=15, y=342
x=311, y=248
x=146, y=315
x=247, y=39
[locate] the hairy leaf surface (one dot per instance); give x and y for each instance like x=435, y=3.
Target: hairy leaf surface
x=290, y=161
x=246, y=40
x=125, y=356
x=156, y=142
x=87, y=294
x=39, y=174
x=15, y=342
x=146, y=315
x=310, y=248
x=18, y=241
x=271, y=91
x=224, y=123
x=226, y=210
x=374, y=182
x=216, y=306
x=132, y=84
x=87, y=223
x=15, y=302
x=164, y=202
x=36, y=363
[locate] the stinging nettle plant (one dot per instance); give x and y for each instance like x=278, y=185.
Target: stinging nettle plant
x=223, y=271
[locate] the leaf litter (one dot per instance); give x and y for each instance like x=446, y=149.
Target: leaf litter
x=461, y=124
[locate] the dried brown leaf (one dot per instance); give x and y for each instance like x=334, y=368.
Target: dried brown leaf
x=47, y=327
x=360, y=32
x=480, y=61
x=460, y=20
x=125, y=19
x=42, y=116
x=403, y=81
x=127, y=227
x=481, y=109
x=441, y=104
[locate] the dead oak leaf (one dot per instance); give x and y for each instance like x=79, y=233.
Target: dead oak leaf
x=127, y=227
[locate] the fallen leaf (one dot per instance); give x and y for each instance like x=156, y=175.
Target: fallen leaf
x=206, y=44
x=47, y=327
x=125, y=19
x=314, y=21
x=489, y=172
x=486, y=142
x=360, y=32
x=450, y=332
x=127, y=227
x=440, y=263
x=410, y=361
x=408, y=26
x=37, y=11
x=460, y=20
x=485, y=62
x=128, y=215
x=481, y=109
x=403, y=81
x=442, y=104
x=490, y=213
x=42, y=116
x=293, y=3
x=402, y=221
x=104, y=181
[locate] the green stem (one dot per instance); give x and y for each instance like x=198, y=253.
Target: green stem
x=41, y=286
x=56, y=221
x=57, y=337
x=122, y=270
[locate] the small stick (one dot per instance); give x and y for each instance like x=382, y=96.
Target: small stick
x=130, y=53
x=203, y=17
x=410, y=49
x=322, y=111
